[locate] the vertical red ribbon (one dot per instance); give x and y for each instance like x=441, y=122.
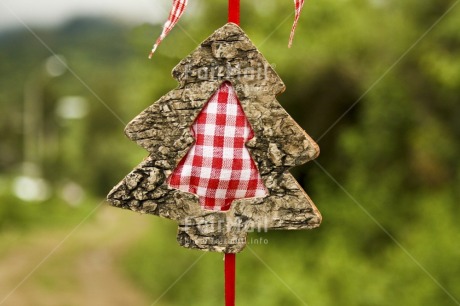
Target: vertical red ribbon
x=230, y=259
x=234, y=11
x=230, y=279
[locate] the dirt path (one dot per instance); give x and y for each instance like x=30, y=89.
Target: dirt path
x=84, y=271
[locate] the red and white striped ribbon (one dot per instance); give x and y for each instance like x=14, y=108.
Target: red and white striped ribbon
x=174, y=16
x=298, y=9
x=179, y=8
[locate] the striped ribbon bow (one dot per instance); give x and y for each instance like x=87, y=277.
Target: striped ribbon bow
x=179, y=8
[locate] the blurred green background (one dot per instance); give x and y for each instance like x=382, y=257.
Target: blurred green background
x=375, y=82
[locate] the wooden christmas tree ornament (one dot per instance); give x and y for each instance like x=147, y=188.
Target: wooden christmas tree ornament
x=220, y=149
x=226, y=59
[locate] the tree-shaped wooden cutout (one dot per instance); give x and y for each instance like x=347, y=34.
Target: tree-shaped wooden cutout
x=226, y=58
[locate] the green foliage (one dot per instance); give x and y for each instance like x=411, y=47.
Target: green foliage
x=16, y=215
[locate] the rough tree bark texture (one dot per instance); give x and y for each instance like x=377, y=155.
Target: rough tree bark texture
x=163, y=129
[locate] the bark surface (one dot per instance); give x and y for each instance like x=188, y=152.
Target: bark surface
x=163, y=129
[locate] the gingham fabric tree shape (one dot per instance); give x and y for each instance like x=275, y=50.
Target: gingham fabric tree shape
x=218, y=168
x=164, y=130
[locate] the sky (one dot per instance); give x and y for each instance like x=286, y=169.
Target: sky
x=13, y=13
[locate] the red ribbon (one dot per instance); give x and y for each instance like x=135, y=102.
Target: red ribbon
x=298, y=8
x=233, y=16
x=230, y=259
x=230, y=279
x=234, y=11
x=176, y=12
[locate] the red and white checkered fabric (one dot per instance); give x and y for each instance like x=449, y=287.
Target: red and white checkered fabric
x=218, y=167
x=174, y=16
x=298, y=9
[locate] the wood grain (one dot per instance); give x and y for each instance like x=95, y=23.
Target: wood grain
x=163, y=129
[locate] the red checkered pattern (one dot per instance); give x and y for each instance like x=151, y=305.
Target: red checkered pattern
x=218, y=167
x=298, y=9
x=174, y=16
